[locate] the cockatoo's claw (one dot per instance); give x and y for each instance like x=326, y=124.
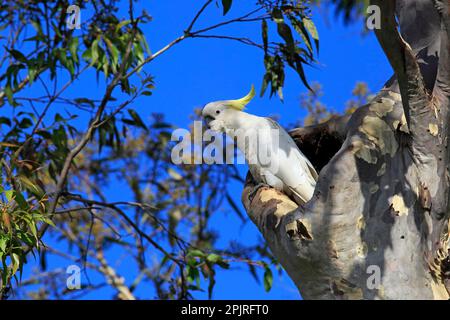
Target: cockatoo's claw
x=253, y=193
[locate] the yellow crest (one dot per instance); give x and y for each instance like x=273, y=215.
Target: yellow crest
x=242, y=102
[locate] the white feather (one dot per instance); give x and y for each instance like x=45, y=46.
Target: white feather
x=287, y=169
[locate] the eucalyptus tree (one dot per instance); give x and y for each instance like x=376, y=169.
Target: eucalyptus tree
x=377, y=226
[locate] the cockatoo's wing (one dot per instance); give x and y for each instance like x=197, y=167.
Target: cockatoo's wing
x=294, y=169
x=285, y=138
x=300, y=199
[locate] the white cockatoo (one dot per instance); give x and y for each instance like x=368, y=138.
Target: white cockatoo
x=272, y=155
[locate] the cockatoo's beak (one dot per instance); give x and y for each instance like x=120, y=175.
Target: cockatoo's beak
x=208, y=119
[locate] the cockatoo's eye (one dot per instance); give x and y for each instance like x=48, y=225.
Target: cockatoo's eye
x=217, y=111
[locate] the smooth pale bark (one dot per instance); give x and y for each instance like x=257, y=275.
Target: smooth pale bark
x=382, y=198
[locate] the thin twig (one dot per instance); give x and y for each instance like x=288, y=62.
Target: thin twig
x=240, y=19
x=197, y=16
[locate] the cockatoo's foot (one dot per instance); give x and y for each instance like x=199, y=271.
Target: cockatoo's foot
x=260, y=185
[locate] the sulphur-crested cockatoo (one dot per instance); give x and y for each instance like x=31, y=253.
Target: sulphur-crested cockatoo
x=272, y=155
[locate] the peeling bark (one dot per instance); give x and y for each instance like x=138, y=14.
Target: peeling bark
x=382, y=199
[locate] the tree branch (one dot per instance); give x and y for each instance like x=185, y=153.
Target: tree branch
x=403, y=61
x=443, y=77
x=246, y=41
x=197, y=16
x=114, y=206
x=243, y=18
x=113, y=278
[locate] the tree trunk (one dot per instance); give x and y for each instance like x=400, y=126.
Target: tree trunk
x=377, y=226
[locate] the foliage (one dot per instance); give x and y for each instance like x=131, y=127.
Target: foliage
x=288, y=15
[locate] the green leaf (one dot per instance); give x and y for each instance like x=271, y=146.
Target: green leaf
x=62, y=55
x=123, y=23
x=85, y=102
x=87, y=55
x=277, y=15
x=283, y=29
x=193, y=275
x=265, y=83
x=19, y=198
x=105, y=66
x=145, y=44
x=301, y=30
x=311, y=27
x=60, y=138
x=73, y=48
x=196, y=253
x=3, y=242
x=19, y=56
x=32, y=74
x=285, y=32
x=31, y=186
x=33, y=230
x=15, y=259
x=280, y=93
x=48, y=221
x=252, y=270
x=5, y=120
x=37, y=26
x=26, y=238
x=113, y=51
x=94, y=51
x=5, y=273
x=9, y=194
x=223, y=264
x=299, y=68
x=265, y=36
x=44, y=134
x=212, y=282
x=226, y=4
x=268, y=279
x=9, y=94
x=137, y=119
x=213, y=258
x=58, y=118
x=25, y=123
x=139, y=53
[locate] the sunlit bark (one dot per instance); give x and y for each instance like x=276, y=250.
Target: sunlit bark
x=382, y=199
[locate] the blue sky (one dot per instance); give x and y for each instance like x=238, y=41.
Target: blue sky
x=198, y=71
